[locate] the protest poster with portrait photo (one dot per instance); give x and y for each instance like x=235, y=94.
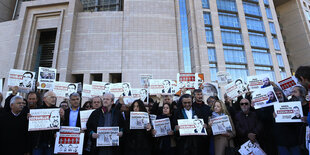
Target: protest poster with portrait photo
x=264, y=97
x=236, y=88
x=107, y=136
x=69, y=140
x=162, y=127
x=190, y=127
x=23, y=79
x=119, y=89
x=221, y=125
x=288, y=112
x=64, y=89
x=44, y=119
x=99, y=88
x=139, y=120
x=144, y=80
x=162, y=86
x=249, y=148
x=189, y=80
x=288, y=84
x=258, y=81
x=84, y=115
x=139, y=93
x=210, y=89
x=46, y=78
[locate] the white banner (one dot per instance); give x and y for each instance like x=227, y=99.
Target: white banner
x=191, y=127
x=162, y=127
x=258, y=81
x=119, y=89
x=84, y=115
x=23, y=79
x=69, y=141
x=220, y=125
x=46, y=78
x=86, y=90
x=236, y=88
x=264, y=97
x=250, y=148
x=44, y=119
x=161, y=86
x=139, y=120
x=107, y=136
x=98, y=88
x=288, y=112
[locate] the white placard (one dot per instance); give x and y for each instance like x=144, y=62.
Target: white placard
x=69, y=141
x=264, y=97
x=162, y=86
x=220, y=125
x=189, y=80
x=144, y=80
x=191, y=127
x=23, y=79
x=250, y=148
x=210, y=89
x=258, y=81
x=44, y=119
x=84, y=115
x=119, y=89
x=139, y=120
x=139, y=93
x=86, y=90
x=223, y=77
x=46, y=78
x=288, y=112
x=288, y=84
x=236, y=88
x=108, y=136
x=162, y=127
x=64, y=89
x=98, y=88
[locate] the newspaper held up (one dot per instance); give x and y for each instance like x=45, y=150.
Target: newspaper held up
x=288, y=112
x=46, y=78
x=107, y=136
x=220, y=125
x=162, y=127
x=191, y=127
x=44, y=119
x=139, y=120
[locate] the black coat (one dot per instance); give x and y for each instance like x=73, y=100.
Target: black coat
x=14, y=134
x=67, y=118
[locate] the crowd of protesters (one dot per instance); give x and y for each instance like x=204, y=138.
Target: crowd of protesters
x=256, y=125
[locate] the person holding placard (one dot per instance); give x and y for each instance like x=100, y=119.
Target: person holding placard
x=221, y=141
x=72, y=114
x=138, y=141
x=165, y=145
x=248, y=127
x=105, y=116
x=188, y=145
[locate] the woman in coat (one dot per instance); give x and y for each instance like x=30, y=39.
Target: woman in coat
x=221, y=141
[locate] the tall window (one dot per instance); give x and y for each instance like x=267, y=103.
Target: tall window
x=234, y=55
x=208, y=27
x=258, y=40
x=229, y=20
x=255, y=24
x=237, y=71
x=102, y=5
x=251, y=9
x=272, y=28
x=205, y=4
x=226, y=5
x=212, y=61
x=280, y=60
x=275, y=42
x=185, y=38
x=207, y=18
x=232, y=37
x=268, y=12
x=261, y=57
x=265, y=70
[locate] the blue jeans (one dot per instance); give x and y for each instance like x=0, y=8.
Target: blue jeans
x=43, y=149
x=293, y=150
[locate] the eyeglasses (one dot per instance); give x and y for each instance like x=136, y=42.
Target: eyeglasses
x=244, y=103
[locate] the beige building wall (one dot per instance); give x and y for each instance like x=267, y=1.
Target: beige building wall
x=6, y=10
x=294, y=19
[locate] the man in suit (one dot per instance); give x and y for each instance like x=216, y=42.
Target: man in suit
x=72, y=114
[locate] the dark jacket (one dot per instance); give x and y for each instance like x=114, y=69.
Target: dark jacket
x=67, y=118
x=14, y=134
x=191, y=145
x=246, y=124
